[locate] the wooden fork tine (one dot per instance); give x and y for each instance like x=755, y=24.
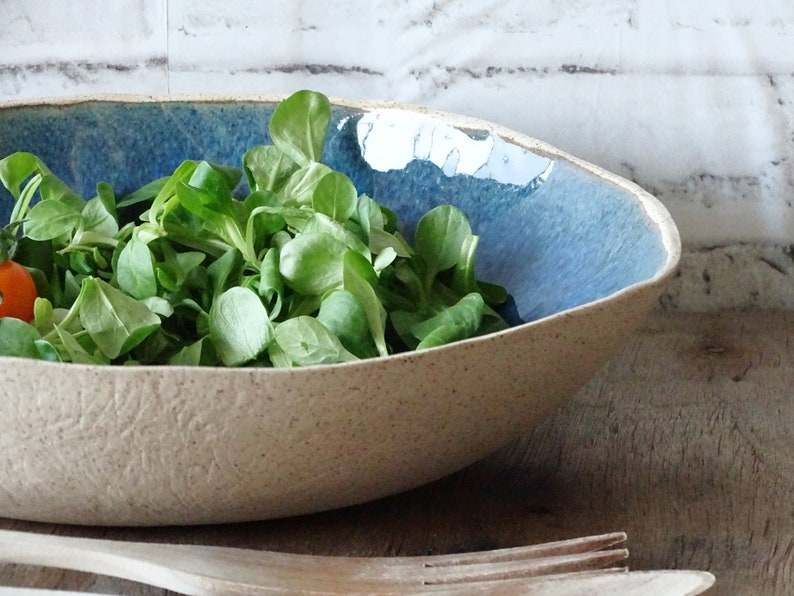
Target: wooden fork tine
x=561, y=547
x=521, y=568
x=523, y=561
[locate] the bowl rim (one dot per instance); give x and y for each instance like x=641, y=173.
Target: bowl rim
x=651, y=206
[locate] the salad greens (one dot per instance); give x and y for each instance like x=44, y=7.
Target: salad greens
x=303, y=270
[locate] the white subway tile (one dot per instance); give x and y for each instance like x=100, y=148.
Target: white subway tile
x=678, y=37
x=87, y=46
x=83, y=30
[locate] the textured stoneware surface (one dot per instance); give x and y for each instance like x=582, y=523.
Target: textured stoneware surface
x=584, y=253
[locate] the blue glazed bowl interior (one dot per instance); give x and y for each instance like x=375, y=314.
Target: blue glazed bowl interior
x=555, y=244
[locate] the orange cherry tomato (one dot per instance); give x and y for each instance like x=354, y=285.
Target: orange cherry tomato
x=18, y=291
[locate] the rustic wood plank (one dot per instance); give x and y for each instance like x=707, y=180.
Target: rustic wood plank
x=684, y=441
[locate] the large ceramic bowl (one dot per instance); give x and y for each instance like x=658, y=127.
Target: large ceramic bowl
x=584, y=253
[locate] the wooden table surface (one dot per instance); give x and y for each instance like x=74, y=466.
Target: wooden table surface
x=685, y=441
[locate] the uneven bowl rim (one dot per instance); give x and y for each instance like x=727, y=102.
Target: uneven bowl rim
x=652, y=207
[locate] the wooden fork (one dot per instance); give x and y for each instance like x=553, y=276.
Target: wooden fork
x=198, y=569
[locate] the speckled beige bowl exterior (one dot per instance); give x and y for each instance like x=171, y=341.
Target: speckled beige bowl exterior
x=176, y=445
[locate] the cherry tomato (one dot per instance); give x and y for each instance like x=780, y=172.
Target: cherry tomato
x=18, y=291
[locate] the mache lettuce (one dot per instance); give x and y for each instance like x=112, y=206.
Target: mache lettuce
x=303, y=270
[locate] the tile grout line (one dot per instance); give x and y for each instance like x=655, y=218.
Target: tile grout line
x=167, y=49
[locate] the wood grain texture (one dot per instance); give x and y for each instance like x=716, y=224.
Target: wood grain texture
x=683, y=441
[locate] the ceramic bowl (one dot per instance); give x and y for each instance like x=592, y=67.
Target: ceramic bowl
x=584, y=253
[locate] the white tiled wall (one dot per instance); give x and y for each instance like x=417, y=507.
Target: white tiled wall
x=692, y=99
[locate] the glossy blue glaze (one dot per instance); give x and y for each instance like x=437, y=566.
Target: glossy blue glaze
x=568, y=241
